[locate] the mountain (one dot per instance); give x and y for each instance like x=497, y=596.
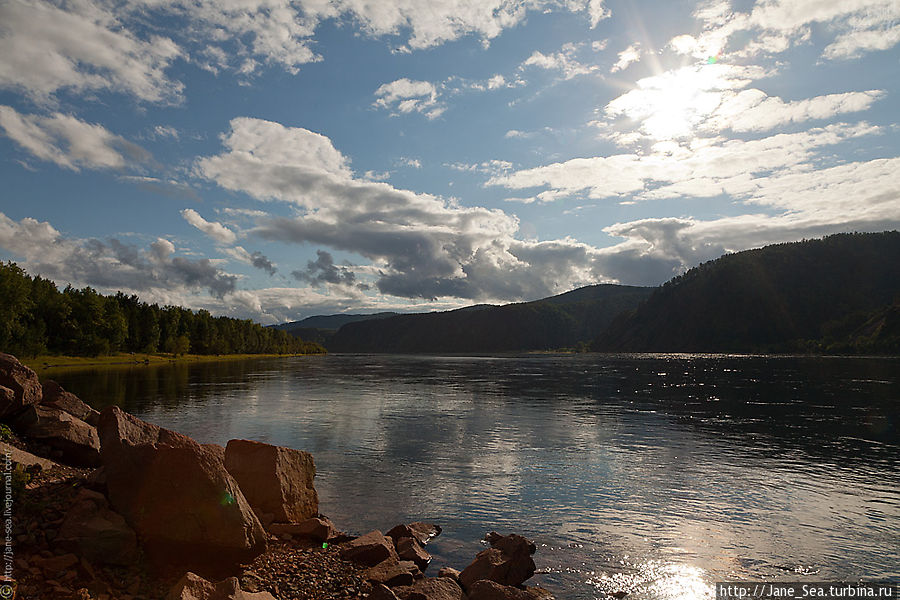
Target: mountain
x=816, y=295
x=333, y=322
x=552, y=323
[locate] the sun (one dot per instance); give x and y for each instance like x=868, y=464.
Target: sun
x=672, y=104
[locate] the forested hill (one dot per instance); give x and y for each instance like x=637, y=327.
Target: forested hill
x=557, y=322
x=837, y=294
x=37, y=318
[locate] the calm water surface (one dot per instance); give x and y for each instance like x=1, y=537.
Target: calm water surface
x=656, y=475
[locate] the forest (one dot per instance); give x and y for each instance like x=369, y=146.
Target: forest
x=37, y=318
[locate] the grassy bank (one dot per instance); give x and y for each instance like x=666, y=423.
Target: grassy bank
x=49, y=363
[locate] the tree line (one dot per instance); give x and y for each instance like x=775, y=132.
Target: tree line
x=37, y=318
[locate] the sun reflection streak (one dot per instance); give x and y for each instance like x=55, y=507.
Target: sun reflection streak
x=656, y=580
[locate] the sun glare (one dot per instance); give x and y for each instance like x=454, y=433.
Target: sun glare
x=672, y=104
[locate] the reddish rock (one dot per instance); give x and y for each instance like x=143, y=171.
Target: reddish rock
x=275, y=480
x=55, y=396
x=55, y=565
x=381, y=592
x=437, y=588
x=317, y=529
x=194, y=587
x=369, y=549
x=419, y=531
x=491, y=590
x=392, y=572
x=95, y=532
x=449, y=572
x=76, y=440
x=26, y=459
x=22, y=381
x=508, y=561
x=410, y=549
x=177, y=495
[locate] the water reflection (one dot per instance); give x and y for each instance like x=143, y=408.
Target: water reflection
x=659, y=474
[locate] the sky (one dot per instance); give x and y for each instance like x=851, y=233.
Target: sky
x=274, y=160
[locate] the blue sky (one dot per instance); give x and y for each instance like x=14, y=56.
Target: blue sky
x=274, y=160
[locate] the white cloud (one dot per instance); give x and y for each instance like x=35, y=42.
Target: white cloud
x=857, y=26
x=563, y=61
x=69, y=142
x=423, y=246
x=627, y=57
x=709, y=167
x=110, y=265
x=406, y=96
x=81, y=47
x=215, y=230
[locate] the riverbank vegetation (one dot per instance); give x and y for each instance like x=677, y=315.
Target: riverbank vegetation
x=37, y=318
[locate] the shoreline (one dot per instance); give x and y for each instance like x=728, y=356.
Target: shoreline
x=45, y=364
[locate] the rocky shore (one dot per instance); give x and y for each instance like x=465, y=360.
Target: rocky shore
x=105, y=506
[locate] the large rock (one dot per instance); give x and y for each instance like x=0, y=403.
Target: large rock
x=178, y=496
x=76, y=440
x=93, y=531
x=22, y=381
x=317, y=529
x=26, y=459
x=421, y=532
x=392, y=572
x=410, y=549
x=55, y=396
x=369, y=549
x=194, y=587
x=507, y=562
x=439, y=588
x=277, y=481
x=491, y=590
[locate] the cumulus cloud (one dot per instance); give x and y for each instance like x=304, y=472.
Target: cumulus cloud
x=406, y=96
x=255, y=259
x=627, y=57
x=111, y=265
x=563, y=61
x=323, y=270
x=81, y=47
x=856, y=27
x=213, y=229
x=69, y=142
x=420, y=246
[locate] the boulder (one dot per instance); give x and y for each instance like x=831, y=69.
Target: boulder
x=431, y=588
x=369, y=549
x=54, y=396
x=194, y=587
x=392, y=572
x=26, y=459
x=177, y=495
x=275, y=480
x=507, y=562
x=76, y=440
x=317, y=529
x=449, y=572
x=491, y=590
x=410, y=549
x=93, y=531
x=381, y=592
x=22, y=381
x=421, y=532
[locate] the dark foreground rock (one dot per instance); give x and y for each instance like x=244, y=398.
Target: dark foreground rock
x=93, y=531
x=194, y=587
x=21, y=381
x=54, y=396
x=316, y=529
x=277, y=481
x=507, y=562
x=490, y=590
x=75, y=441
x=369, y=549
x=437, y=588
x=178, y=496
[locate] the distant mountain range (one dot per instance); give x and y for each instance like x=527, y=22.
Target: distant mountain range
x=837, y=294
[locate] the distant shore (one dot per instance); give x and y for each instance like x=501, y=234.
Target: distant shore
x=48, y=363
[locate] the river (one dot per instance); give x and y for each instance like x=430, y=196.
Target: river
x=656, y=474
